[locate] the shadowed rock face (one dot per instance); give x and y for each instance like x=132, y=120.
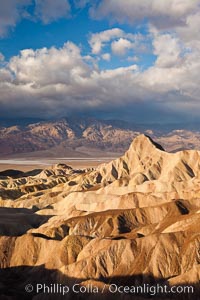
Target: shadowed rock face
x=133, y=220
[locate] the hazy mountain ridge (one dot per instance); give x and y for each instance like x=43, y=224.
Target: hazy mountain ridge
x=77, y=136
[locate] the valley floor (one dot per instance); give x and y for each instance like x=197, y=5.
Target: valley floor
x=27, y=165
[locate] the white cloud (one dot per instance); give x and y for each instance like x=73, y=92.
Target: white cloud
x=164, y=14
x=106, y=56
x=118, y=41
x=121, y=46
x=98, y=40
x=48, y=66
x=5, y=76
x=168, y=50
x=190, y=33
x=51, y=10
x=180, y=80
x=55, y=81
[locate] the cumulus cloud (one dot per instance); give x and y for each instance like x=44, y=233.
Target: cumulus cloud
x=121, y=46
x=56, y=81
x=168, y=50
x=45, y=67
x=51, y=10
x=163, y=14
x=119, y=42
x=190, y=33
x=98, y=40
x=59, y=80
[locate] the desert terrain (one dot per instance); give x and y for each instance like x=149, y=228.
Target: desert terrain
x=88, y=138
x=131, y=221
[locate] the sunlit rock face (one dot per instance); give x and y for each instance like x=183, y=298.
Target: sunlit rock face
x=131, y=221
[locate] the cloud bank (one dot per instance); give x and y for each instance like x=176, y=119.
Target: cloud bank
x=56, y=81
x=161, y=13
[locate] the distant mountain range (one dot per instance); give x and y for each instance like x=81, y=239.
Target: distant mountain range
x=79, y=137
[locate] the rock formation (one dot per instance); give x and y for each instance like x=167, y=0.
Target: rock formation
x=132, y=221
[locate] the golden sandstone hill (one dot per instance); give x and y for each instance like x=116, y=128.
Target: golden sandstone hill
x=132, y=221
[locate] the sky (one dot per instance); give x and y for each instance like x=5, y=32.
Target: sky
x=113, y=59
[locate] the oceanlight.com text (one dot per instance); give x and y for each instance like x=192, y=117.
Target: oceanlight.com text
x=145, y=289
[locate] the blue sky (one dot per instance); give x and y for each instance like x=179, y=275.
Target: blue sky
x=77, y=27
x=125, y=59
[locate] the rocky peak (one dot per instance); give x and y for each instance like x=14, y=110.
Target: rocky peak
x=144, y=143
